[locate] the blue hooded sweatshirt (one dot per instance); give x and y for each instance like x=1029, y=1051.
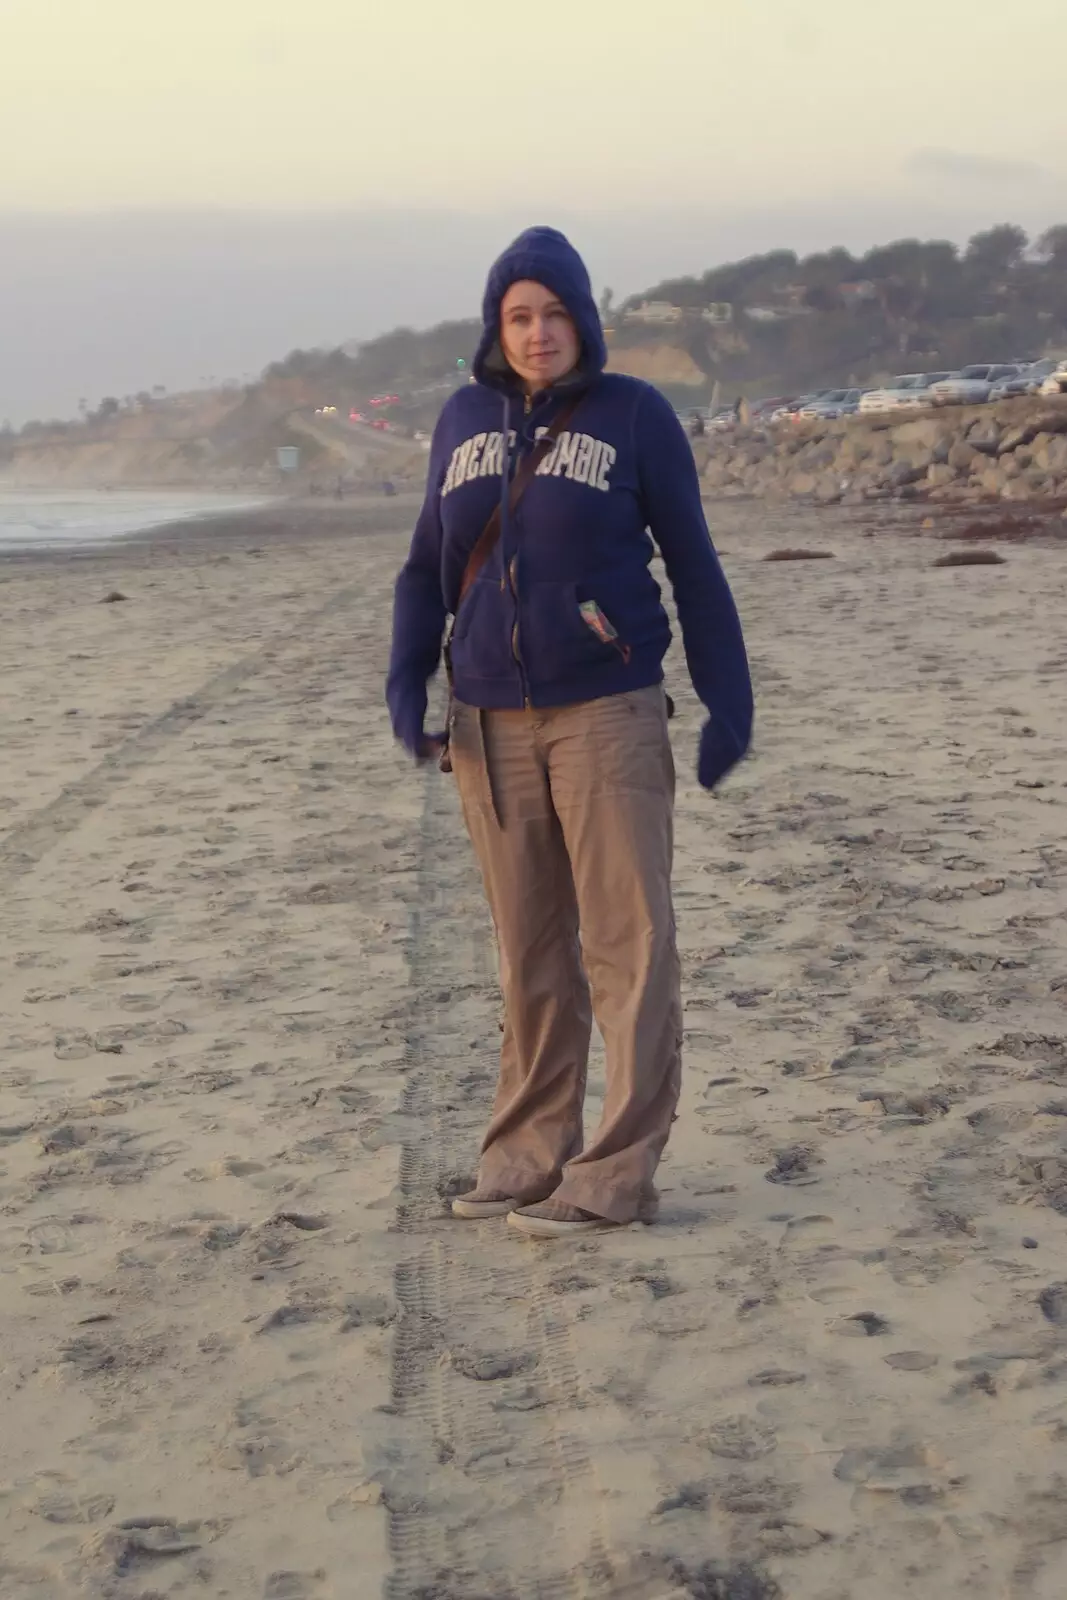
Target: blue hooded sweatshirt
x=566, y=608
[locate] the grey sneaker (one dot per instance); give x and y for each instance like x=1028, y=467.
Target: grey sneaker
x=553, y=1219
x=479, y=1203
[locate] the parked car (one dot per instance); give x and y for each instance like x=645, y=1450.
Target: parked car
x=910, y=391
x=1026, y=381
x=835, y=403
x=1056, y=382
x=763, y=410
x=722, y=420
x=972, y=386
x=790, y=409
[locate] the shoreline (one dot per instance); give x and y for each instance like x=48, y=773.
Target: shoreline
x=271, y=521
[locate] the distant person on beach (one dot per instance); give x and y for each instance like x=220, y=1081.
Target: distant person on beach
x=546, y=480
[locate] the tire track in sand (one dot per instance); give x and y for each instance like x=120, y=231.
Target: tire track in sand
x=495, y=1494
x=30, y=840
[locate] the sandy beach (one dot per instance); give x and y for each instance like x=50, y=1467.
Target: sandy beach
x=249, y=1021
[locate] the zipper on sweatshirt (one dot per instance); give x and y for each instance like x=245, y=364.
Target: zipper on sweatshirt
x=515, y=648
x=511, y=571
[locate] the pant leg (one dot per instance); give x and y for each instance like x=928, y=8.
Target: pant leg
x=611, y=775
x=536, y=1124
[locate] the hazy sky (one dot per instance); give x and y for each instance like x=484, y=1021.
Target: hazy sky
x=416, y=135
x=475, y=103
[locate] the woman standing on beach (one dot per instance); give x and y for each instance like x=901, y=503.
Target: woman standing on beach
x=546, y=479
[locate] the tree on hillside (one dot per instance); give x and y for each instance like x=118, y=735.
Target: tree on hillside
x=826, y=269
x=822, y=297
x=606, y=301
x=753, y=281
x=996, y=253
x=916, y=261
x=1052, y=247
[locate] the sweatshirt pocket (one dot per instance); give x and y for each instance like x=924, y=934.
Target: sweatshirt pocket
x=480, y=646
x=602, y=627
x=562, y=629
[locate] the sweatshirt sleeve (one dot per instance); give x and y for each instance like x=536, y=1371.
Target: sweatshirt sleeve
x=711, y=629
x=419, y=613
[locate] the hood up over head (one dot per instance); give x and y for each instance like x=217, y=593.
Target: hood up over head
x=542, y=255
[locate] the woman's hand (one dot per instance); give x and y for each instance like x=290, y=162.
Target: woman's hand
x=430, y=747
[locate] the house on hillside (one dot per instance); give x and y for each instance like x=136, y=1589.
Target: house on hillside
x=791, y=300
x=793, y=297
x=660, y=312
x=854, y=294
x=779, y=313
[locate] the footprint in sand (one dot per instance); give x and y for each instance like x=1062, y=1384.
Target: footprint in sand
x=804, y=1233
x=739, y=1438
x=297, y=1585
x=911, y=1360
x=861, y=1325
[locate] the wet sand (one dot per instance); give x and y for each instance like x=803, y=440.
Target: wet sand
x=249, y=1024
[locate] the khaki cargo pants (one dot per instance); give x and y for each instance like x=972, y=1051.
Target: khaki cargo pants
x=570, y=811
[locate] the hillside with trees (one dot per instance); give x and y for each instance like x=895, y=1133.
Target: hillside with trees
x=780, y=322
x=771, y=324
x=774, y=323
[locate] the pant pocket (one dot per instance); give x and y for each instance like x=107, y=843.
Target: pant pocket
x=631, y=741
x=470, y=761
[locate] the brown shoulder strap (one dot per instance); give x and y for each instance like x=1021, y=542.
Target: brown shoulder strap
x=486, y=542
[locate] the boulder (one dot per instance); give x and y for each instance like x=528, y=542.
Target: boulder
x=940, y=474
x=927, y=434
x=862, y=483
x=1049, y=452
x=961, y=455
x=853, y=449
x=1021, y=434
x=985, y=437
x=902, y=473
x=819, y=454
x=803, y=483
x=990, y=479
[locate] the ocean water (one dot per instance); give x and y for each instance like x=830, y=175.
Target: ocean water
x=65, y=519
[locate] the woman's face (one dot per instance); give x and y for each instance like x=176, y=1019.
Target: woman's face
x=537, y=335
